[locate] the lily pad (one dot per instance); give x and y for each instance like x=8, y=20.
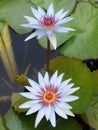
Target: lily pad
x=64, y=124
x=22, y=122
x=95, y=80
x=13, y=11
x=3, y=125
x=91, y=114
x=61, y=4
x=61, y=37
x=94, y=2
x=81, y=76
x=84, y=44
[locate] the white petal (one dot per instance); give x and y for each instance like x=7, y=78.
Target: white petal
x=29, y=88
x=53, y=119
x=41, y=11
x=29, y=104
x=61, y=112
x=53, y=40
x=34, y=84
x=54, y=78
x=31, y=20
x=58, y=14
x=48, y=111
x=46, y=78
x=65, y=87
x=33, y=26
x=60, y=29
x=41, y=34
x=59, y=79
x=70, y=98
x=27, y=25
x=63, y=14
x=41, y=80
x=36, y=13
x=64, y=105
x=49, y=32
x=39, y=117
x=50, y=10
x=31, y=36
x=65, y=20
x=68, y=112
x=27, y=95
x=64, y=83
x=69, y=29
x=72, y=90
x=26, y=105
x=33, y=109
x=32, y=90
x=68, y=86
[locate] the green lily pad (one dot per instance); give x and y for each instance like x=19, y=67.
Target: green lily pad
x=64, y=124
x=91, y=114
x=13, y=11
x=83, y=44
x=61, y=37
x=81, y=76
x=22, y=122
x=3, y=125
x=95, y=80
x=94, y=2
x=61, y=4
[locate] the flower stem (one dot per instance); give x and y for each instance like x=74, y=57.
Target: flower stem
x=48, y=55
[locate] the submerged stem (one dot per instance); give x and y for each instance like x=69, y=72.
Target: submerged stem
x=48, y=55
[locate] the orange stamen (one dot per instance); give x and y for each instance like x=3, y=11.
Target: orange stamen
x=49, y=97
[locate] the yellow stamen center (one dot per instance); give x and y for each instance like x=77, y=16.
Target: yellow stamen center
x=49, y=97
x=48, y=26
x=48, y=22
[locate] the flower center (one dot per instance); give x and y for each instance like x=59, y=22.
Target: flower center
x=49, y=97
x=48, y=22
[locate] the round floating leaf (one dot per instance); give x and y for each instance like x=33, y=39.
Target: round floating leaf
x=95, y=80
x=84, y=44
x=2, y=123
x=22, y=122
x=81, y=76
x=64, y=124
x=13, y=11
x=91, y=114
x=61, y=4
x=61, y=37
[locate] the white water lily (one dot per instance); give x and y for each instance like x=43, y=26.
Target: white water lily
x=47, y=23
x=48, y=97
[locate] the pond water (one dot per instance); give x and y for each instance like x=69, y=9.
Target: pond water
x=25, y=55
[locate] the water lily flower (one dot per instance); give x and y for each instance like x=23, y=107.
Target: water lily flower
x=47, y=23
x=48, y=97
